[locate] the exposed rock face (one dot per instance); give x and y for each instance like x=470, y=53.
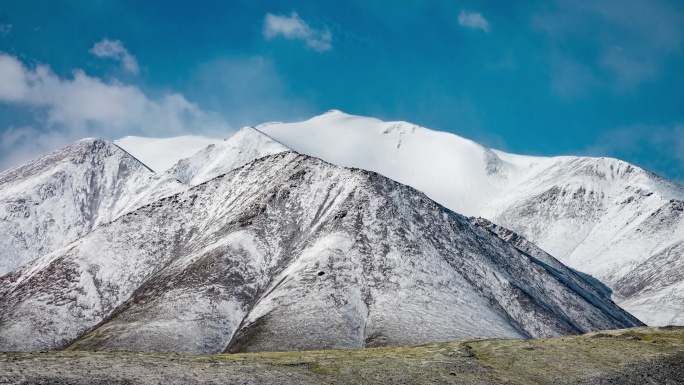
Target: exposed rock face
x=290, y=252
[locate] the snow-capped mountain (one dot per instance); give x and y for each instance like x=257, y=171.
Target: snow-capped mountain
x=605, y=217
x=54, y=200
x=616, y=222
x=290, y=252
x=229, y=248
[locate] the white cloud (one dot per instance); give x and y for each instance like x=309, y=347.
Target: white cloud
x=473, y=20
x=12, y=79
x=294, y=28
x=115, y=49
x=81, y=106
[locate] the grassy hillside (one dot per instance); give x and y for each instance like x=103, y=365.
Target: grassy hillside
x=631, y=356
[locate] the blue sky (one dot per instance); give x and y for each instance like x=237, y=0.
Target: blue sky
x=600, y=78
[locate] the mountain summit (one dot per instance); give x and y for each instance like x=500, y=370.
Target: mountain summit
x=54, y=200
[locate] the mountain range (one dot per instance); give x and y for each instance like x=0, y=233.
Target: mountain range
x=337, y=232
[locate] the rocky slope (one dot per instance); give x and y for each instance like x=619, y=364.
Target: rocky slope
x=285, y=253
x=616, y=222
x=54, y=200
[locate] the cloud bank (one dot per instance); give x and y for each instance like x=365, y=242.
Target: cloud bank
x=474, y=21
x=115, y=49
x=80, y=106
x=294, y=28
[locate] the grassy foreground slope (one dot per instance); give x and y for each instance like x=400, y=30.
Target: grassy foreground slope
x=630, y=356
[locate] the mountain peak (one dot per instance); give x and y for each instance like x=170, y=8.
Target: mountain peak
x=248, y=129
x=56, y=199
x=73, y=153
x=244, y=146
x=333, y=111
x=335, y=115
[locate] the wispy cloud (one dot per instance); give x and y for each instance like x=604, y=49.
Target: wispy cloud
x=80, y=106
x=473, y=20
x=21, y=144
x=5, y=29
x=637, y=144
x=115, y=49
x=294, y=28
x=570, y=79
x=248, y=89
x=624, y=43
